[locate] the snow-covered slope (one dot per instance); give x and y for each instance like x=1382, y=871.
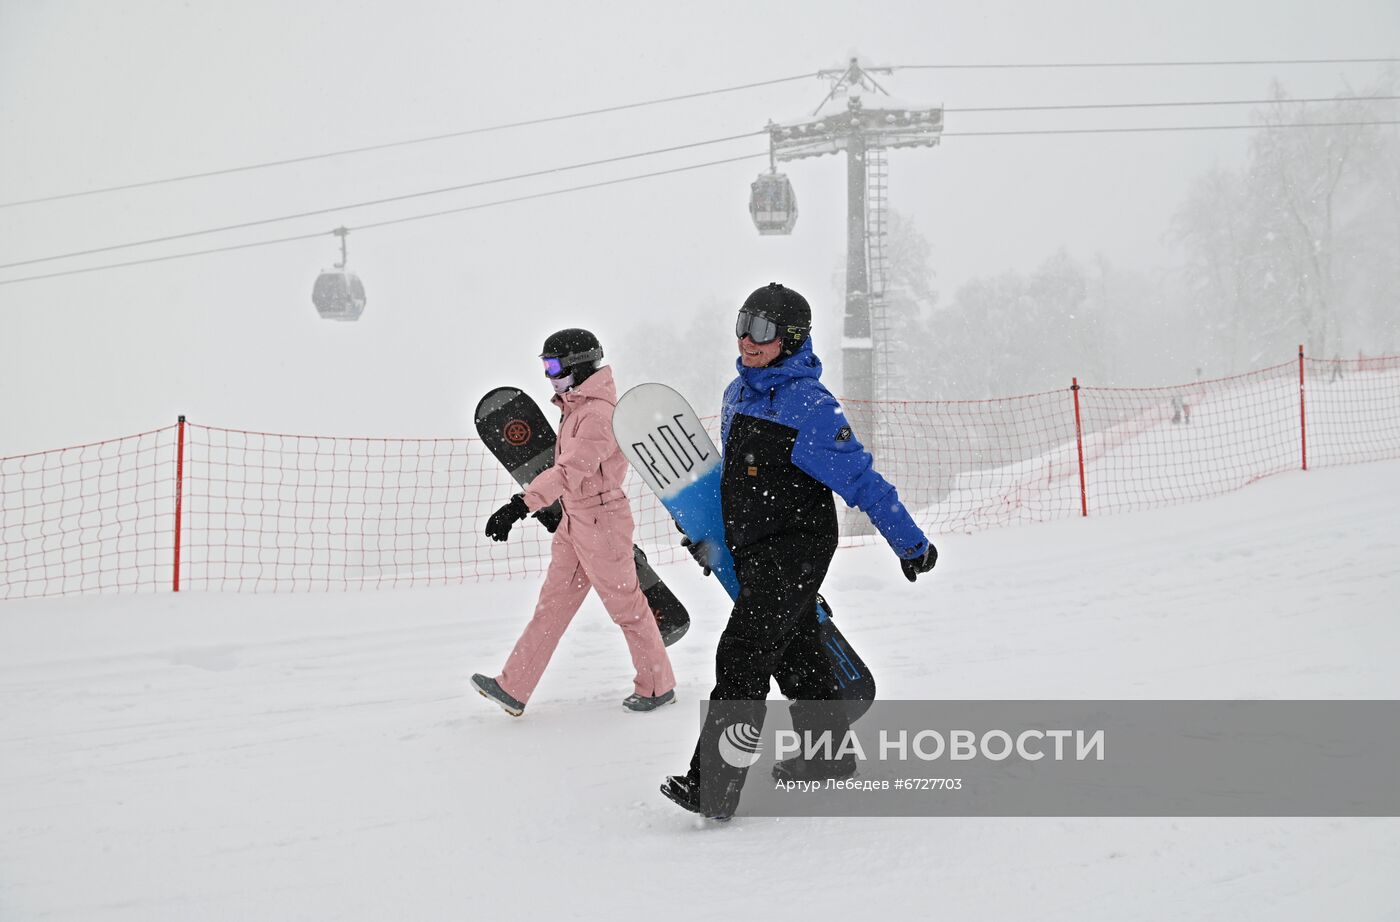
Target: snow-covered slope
x=319, y=757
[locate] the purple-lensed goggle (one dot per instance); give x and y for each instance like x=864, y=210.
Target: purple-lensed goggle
x=554, y=365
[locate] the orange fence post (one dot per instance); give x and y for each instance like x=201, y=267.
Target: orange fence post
x=1302, y=408
x=1079, y=440
x=179, y=500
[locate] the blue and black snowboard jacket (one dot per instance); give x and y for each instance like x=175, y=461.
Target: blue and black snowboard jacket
x=787, y=446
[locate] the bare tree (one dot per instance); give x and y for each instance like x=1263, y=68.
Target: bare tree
x=1300, y=244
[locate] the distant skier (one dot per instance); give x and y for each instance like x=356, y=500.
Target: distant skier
x=1181, y=410
x=1336, y=369
x=786, y=447
x=592, y=546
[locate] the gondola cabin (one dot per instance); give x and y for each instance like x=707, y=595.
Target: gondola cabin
x=338, y=295
x=772, y=204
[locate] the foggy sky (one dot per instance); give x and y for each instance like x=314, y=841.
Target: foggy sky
x=94, y=94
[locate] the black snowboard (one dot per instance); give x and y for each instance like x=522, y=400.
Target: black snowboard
x=516, y=431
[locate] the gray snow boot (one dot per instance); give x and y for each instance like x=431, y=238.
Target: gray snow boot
x=643, y=703
x=490, y=688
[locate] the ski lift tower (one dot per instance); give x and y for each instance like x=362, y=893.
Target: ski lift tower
x=864, y=133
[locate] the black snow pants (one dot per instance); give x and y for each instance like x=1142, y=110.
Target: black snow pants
x=772, y=634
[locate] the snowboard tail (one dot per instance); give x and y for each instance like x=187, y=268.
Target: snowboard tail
x=671, y=617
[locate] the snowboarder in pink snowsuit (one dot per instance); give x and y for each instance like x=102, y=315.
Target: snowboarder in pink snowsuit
x=592, y=546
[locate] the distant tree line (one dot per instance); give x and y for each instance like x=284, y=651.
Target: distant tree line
x=1299, y=245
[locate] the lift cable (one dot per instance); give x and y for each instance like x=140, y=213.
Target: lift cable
x=1087, y=106
x=625, y=179
x=644, y=103
x=1261, y=126
x=1091, y=64
x=391, y=144
x=1167, y=105
x=380, y=201
x=418, y=217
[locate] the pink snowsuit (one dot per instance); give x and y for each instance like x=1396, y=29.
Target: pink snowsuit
x=592, y=546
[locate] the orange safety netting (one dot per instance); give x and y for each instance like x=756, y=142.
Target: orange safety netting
x=266, y=512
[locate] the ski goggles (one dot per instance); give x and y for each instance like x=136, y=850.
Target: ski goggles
x=554, y=367
x=756, y=327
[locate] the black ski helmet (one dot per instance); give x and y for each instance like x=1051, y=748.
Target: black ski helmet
x=785, y=307
x=578, y=352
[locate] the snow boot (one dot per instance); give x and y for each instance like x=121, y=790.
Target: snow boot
x=684, y=792
x=490, y=688
x=799, y=769
x=643, y=703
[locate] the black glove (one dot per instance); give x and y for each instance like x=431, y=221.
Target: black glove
x=913, y=566
x=498, y=526
x=550, y=516
x=700, y=550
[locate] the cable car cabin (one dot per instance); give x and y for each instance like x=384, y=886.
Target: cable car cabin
x=772, y=204
x=338, y=295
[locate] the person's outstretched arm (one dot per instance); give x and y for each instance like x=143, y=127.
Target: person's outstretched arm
x=828, y=451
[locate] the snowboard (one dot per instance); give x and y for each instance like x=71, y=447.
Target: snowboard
x=668, y=447
x=517, y=433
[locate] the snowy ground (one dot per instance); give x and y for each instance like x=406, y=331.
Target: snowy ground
x=318, y=756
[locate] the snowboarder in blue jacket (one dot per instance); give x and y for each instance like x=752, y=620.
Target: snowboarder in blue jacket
x=787, y=448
